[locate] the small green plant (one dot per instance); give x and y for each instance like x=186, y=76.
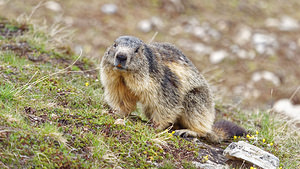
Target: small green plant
x=11, y=27
x=6, y=92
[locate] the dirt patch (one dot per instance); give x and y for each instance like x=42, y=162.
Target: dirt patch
x=23, y=49
x=180, y=154
x=9, y=30
x=120, y=135
x=34, y=118
x=34, y=54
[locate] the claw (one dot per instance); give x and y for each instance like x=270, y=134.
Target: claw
x=185, y=133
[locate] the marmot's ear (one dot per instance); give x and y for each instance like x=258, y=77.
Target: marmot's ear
x=137, y=49
x=143, y=48
x=108, y=51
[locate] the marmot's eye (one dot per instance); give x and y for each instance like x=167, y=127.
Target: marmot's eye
x=137, y=50
x=115, y=45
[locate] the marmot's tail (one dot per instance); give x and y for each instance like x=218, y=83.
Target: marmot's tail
x=223, y=130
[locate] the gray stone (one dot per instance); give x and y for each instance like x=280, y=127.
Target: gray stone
x=145, y=26
x=243, y=35
x=54, y=6
x=157, y=22
x=286, y=107
x=202, y=49
x=288, y=24
x=264, y=43
x=109, y=8
x=200, y=32
x=285, y=23
x=209, y=165
x=245, y=151
x=266, y=75
x=242, y=54
x=217, y=56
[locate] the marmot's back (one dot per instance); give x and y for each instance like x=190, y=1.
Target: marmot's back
x=168, y=85
x=170, y=53
x=175, y=60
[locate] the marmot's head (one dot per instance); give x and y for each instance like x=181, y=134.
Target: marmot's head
x=126, y=54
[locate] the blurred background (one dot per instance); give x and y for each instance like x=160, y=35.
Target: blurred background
x=248, y=50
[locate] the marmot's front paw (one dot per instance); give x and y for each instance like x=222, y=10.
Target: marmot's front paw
x=185, y=133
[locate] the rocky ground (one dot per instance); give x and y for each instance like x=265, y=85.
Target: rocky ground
x=248, y=51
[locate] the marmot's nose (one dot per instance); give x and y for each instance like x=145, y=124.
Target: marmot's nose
x=121, y=57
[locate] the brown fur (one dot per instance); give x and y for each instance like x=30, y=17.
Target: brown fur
x=164, y=81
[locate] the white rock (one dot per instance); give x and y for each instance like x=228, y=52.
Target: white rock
x=145, y=26
x=264, y=44
x=234, y=48
x=272, y=22
x=266, y=75
x=260, y=38
x=199, y=32
x=209, y=165
x=109, y=8
x=243, y=36
x=214, y=34
x=175, y=30
x=54, y=6
x=263, y=38
x=203, y=31
x=157, y=22
x=201, y=49
x=285, y=106
x=223, y=25
x=189, y=24
x=252, y=154
x=218, y=56
x=192, y=21
x=241, y=53
x=288, y=24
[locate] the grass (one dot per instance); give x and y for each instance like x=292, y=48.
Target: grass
x=270, y=132
x=53, y=116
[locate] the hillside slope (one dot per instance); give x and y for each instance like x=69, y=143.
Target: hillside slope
x=52, y=115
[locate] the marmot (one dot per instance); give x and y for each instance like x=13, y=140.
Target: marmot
x=166, y=83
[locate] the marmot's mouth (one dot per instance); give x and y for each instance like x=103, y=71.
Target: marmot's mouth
x=119, y=68
x=119, y=65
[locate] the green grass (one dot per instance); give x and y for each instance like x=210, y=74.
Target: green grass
x=6, y=93
x=271, y=133
x=52, y=115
